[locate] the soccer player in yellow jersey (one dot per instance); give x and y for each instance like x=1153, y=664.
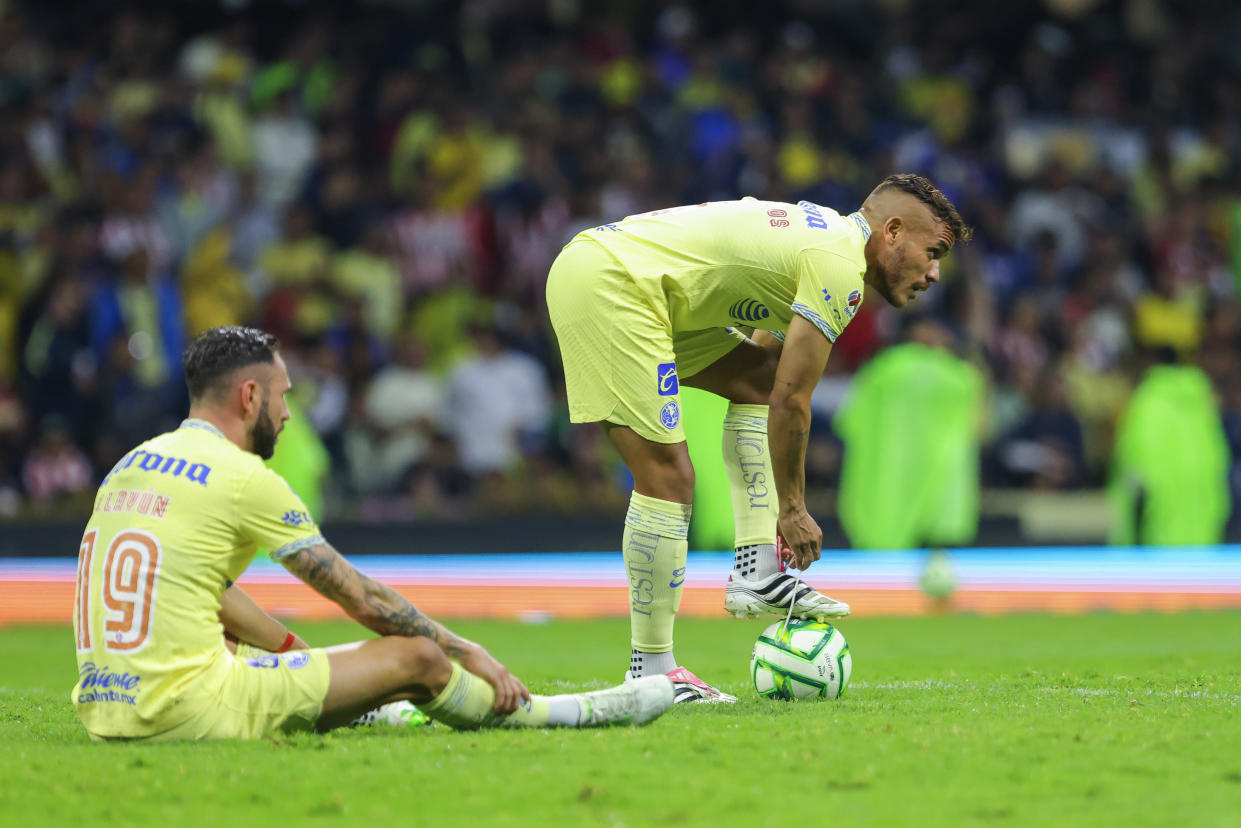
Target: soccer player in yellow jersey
x=644, y=305
x=174, y=524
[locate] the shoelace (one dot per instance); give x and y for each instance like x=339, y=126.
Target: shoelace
x=788, y=619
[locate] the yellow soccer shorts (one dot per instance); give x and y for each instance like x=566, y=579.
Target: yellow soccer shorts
x=622, y=361
x=260, y=697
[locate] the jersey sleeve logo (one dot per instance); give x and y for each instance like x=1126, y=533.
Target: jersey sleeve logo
x=296, y=518
x=855, y=299
x=666, y=374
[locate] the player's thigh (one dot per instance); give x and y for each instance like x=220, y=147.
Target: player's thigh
x=369, y=673
x=725, y=362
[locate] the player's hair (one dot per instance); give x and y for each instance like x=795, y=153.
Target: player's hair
x=923, y=190
x=218, y=352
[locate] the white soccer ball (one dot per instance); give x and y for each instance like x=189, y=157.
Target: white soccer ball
x=808, y=659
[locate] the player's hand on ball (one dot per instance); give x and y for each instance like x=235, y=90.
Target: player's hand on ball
x=510, y=692
x=803, y=536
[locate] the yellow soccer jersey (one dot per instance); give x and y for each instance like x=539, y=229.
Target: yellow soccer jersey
x=747, y=262
x=174, y=523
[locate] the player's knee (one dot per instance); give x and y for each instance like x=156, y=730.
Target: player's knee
x=422, y=662
x=766, y=378
x=676, y=477
x=754, y=387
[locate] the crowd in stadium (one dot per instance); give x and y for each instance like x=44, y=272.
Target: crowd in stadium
x=386, y=193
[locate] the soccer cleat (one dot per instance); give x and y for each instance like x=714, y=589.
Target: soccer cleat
x=394, y=714
x=690, y=688
x=635, y=702
x=687, y=687
x=772, y=595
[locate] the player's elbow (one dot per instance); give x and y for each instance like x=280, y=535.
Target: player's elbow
x=790, y=400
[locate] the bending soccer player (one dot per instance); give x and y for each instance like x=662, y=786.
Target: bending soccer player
x=644, y=305
x=174, y=524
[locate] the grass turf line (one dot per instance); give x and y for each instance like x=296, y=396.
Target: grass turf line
x=959, y=720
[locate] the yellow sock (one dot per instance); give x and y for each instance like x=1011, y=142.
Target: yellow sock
x=655, y=548
x=751, y=482
x=467, y=703
x=748, y=461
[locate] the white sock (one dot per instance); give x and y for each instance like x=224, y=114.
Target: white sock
x=563, y=711
x=651, y=664
x=757, y=561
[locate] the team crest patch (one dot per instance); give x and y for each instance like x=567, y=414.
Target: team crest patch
x=855, y=299
x=670, y=414
x=666, y=375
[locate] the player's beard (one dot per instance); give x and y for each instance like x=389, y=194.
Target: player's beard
x=888, y=284
x=263, y=438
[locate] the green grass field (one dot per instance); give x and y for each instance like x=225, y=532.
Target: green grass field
x=1021, y=720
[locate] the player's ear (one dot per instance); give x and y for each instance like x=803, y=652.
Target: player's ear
x=251, y=397
x=893, y=228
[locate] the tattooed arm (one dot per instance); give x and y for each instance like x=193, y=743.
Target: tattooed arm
x=372, y=604
x=802, y=361
x=380, y=608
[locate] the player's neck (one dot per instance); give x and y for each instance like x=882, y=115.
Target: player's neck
x=230, y=427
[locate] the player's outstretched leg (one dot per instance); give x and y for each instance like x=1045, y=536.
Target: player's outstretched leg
x=394, y=668
x=758, y=585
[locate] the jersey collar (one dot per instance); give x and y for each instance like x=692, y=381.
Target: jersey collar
x=194, y=422
x=863, y=225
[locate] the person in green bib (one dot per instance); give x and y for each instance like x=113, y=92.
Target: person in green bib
x=1169, y=477
x=910, y=425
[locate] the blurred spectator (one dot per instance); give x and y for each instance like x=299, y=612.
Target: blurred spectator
x=285, y=143
x=367, y=273
x=1045, y=450
x=401, y=413
x=295, y=268
x=498, y=405
x=1168, y=315
x=57, y=363
x=56, y=468
x=142, y=307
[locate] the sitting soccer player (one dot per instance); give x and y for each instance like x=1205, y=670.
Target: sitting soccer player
x=177, y=520
x=644, y=305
